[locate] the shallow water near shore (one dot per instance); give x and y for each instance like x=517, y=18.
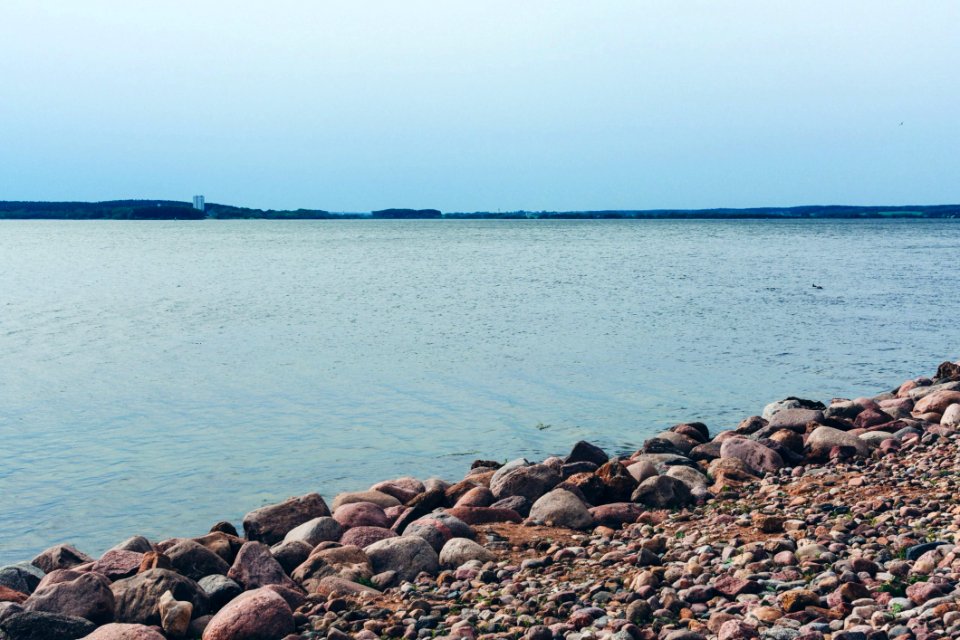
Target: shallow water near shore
x=157, y=377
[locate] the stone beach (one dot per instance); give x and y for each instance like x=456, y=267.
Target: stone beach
x=836, y=521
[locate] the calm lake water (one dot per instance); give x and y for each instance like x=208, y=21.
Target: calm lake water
x=157, y=377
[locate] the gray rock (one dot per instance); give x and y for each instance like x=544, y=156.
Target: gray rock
x=42, y=625
x=560, y=508
x=823, y=439
x=531, y=482
x=407, y=555
x=271, y=523
x=315, y=531
x=220, y=590
x=458, y=551
x=255, y=567
x=138, y=598
x=86, y=596
x=22, y=577
x=195, y=561
x=662, y=492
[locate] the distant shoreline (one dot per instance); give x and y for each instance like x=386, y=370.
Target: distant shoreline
x=174, y=210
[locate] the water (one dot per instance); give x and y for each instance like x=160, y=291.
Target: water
x=156, y=377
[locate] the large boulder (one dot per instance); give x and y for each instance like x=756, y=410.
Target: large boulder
x=484, y=515
x=936, y=402
x=138, y=598
x=290, y=553
x=256, y=567
x=407, y=555
x=195, y=561
x=383, y=500
x=86, y=596
x=695, y=481
x=361, y=514
x=220, y=590
x=271, y=523
x=774, y=408
x=618, y=481
x=560, y=508
x=583, y=451
x=61, y=556
x=458, y=551
x=315, y=531
x=403, y=489
x=23, y=577
x=43, y=625
x=951, y=416
x=662, y=492
x=125, y=631
x=759, y=458
x=365, y=536
x=823, y=439
x=616, y=514
x=313, y=569
x=117, y=564
x=794, y=419
x=437, y=528
x=530, y=482
x=260, y=614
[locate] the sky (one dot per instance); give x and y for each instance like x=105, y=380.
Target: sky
x=485, y=105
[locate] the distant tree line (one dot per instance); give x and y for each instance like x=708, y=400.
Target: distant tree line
x=173, y=210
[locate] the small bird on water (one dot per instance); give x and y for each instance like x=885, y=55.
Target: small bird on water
x=816, y=286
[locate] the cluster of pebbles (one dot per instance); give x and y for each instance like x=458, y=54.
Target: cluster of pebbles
x=809, y=522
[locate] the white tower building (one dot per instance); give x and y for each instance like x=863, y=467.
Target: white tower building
x=199, y=203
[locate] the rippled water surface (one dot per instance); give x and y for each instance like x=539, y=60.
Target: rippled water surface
x=156, y=377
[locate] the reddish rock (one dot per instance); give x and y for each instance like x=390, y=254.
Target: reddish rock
x=365, y=536
x=456, y=491
x=732, y=587
x=195, y=561
x=260, y=614
x=476, y=497
x=484, y=515
x=758, y=458
x=255, y=567
x=618, y=482
x=589, y=485
x=530, y=481
x=61, y=556
x=662, y=492
x=583, y=451
x=125, y=631
x=403, y=489
x=616, y=514
x=361, y=514
x=154, y=560
x=936, y=402
x=117, y=564
x=920, y=592
x=271, y=523
x=870, y=418
x=85, y=596
x=9, y=595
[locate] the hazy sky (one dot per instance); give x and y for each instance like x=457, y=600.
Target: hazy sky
x=356, y=105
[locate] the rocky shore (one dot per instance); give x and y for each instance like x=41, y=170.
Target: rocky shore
x=807, y=522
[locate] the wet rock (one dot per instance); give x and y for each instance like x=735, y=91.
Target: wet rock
x=138, y=598
x=271, y=523
x=365, y=536
x=560, y=508
x=407, y=555
x=458, y=551
x=61, y=556
x=86, y=596
x=43, y=625
x=195, y=561
x=530, y=482
x=260, y=614
x=255, y=567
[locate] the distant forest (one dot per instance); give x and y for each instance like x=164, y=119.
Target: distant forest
x=173, y=210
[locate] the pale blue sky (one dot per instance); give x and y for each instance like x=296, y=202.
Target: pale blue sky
x=357, y=105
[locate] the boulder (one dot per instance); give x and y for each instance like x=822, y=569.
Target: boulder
x=271, y=523
x=174, y=615
x=758, y=458
x=407, y=555
x=696, y=430
x=221, y=543
x=619, y=484
x=290, y=553
x=751, y=425
x=951, y=416
x=9, y=595
x=484, y=515
x=260, y=614
x=403, y=489
x=361, y=514
x=583, y=451
x=588, y=486
x=871, y=418
x=382, y=500
x=85, y=596
x=255, y=567
x=936, y=402
x=794, y=419
x=425, y=503
x=662, y=492
x=616, y=514
x=347, y=561
x=138, y=598
x=642, y=470
x=680, y=441
x=43, y=625
x=220, y=590
x=774, y=408
x=476, y=497
x=458, y=551
x=560, y=508
x=138, y=544
x=315, y=531
x=117, y=564
x=437, y=528
x=696, y=482
x=823, y=439
x=514, y=503
x=313, y=569
x=61, y=556
x=365, y=536
x=23, y=577
x=530, y=482
x=335, y=585
x=195, y=561
x=125, y=631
